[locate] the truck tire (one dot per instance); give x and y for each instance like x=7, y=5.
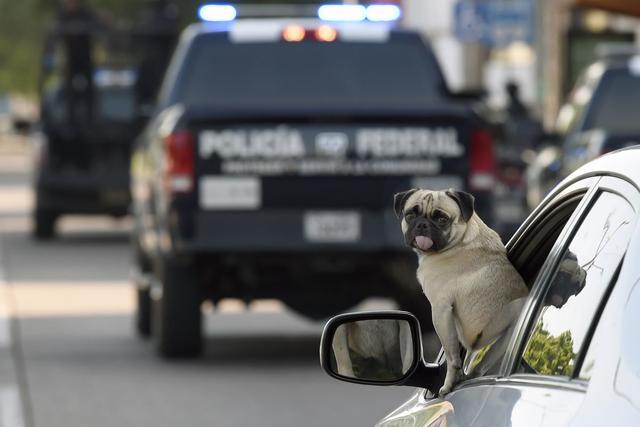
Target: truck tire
x=176, y=314
x=408, y=294
x=142, y=284
x=143, y=311
x=417, y=304
x=44, y=223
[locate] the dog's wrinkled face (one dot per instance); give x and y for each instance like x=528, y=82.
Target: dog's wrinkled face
x=433, y=221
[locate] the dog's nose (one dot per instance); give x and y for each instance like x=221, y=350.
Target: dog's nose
x=422, y=226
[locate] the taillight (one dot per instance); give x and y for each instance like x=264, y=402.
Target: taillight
x=179, y=157
x=297, y=33
x=482, y=166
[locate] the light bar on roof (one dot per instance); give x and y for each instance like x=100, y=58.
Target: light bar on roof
x=217, y=13
x=383, y=12
x=342, y=12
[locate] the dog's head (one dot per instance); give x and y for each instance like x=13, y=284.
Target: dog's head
x=433, y=220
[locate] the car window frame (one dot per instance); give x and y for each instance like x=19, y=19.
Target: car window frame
x=524, y=237
x=610, y=184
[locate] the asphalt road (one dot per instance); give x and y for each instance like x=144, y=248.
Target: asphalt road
x=69, y=356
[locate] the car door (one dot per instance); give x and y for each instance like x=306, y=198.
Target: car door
x=544, y=366
x=576, y=228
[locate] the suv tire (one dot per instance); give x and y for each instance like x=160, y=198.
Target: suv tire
x=143, y=310
x=44, y=223
x=176, y=314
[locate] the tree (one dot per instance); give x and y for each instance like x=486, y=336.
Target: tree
x=24, y=23
x=549, y=354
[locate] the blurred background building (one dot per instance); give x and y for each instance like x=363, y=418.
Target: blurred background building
x=541, y=45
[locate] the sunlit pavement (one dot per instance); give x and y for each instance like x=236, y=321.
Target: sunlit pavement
x=69, y=357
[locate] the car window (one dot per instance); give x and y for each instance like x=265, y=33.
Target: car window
x=614, y=109
x=589, y=361
x=528, y=257
x=399, y=73
x=577, y=288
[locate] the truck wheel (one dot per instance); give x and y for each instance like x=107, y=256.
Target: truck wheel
x=417, y=304
x=143, y=311
x=142, y=282
x=408, y=293
x=175, y=310
x=44, y=222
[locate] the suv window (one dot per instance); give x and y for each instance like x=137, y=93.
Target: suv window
x=580, y=283
x=614, y=110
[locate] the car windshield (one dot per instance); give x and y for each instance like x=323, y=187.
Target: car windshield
x=396, y=74
x=616, y=111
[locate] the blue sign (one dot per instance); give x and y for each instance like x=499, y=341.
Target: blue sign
x=495, y=23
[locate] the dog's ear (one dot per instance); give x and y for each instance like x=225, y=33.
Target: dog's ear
x=465, y=202
x=400, y=199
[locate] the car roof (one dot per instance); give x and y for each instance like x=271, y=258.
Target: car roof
x=623, y=163
x=616, y=63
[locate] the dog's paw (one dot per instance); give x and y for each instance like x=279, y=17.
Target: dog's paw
x=444, y=390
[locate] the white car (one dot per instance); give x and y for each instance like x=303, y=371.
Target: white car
x=572, y=358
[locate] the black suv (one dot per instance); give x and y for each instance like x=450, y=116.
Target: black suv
x=82, y=168
x=269, y=169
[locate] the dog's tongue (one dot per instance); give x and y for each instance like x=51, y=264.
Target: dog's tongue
x=423, y=242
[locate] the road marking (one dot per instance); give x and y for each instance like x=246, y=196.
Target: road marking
x=5, y=327
x=10, y=408
x=11, y=405
x=5, y=315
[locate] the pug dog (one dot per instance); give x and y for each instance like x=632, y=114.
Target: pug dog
x=474, y=291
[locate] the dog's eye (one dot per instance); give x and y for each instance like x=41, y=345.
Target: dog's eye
x=412, y=213
x=440, y=217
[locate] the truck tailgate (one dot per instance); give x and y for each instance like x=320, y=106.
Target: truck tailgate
x=327, y=166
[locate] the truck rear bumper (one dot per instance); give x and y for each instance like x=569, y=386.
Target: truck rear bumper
x=83, y=193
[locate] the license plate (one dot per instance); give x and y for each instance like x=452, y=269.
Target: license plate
x=219, y=193
x=332, y=227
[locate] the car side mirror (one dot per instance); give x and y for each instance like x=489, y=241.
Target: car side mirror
x=377, y=348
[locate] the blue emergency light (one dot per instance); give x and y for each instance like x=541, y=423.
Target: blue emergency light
x=342, y=12
x=383, y=12
x=329, y=12
x=217, y=13
x=358, y=13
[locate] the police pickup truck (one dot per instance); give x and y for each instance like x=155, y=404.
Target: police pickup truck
x=270, y=167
